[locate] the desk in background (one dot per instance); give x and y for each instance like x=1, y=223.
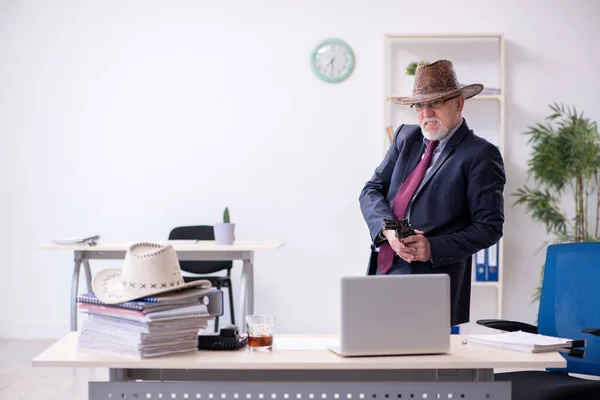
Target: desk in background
x=187, y=250
x=300, y=374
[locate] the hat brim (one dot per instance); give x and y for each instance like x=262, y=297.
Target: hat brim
x=467, y=91
x=108, y=288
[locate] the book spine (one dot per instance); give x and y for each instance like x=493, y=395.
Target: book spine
x=195, y=310
x=109, y=309
x=94, y=300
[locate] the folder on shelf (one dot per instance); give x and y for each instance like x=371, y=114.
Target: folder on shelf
x=480, y=266
x=492, y=263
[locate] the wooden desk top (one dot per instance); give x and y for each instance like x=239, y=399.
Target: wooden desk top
x=65, y=354
x=179, y=245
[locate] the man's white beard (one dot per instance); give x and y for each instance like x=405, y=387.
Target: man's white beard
x=439, y=134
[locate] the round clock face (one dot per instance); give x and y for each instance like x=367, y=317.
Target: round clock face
x=332, y=60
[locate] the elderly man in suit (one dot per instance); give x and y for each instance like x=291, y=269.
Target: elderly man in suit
x=445, y=180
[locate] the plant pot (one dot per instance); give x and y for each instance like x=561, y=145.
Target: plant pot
x=224, y=233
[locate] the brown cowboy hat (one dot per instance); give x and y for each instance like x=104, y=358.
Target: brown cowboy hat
x=437, y=81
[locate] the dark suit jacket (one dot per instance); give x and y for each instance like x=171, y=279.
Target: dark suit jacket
x=460, y=206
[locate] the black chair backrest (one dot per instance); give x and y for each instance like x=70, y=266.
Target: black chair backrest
x=372, y=265
x=199, y=232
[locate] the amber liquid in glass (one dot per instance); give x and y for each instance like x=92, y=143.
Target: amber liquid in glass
x=260, y=341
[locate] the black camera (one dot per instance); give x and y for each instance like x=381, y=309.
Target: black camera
x=401, y=227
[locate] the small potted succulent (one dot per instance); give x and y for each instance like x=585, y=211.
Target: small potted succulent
x=224, y=231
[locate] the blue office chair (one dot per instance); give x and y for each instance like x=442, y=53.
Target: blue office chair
x=201, y=268
x=569, y=307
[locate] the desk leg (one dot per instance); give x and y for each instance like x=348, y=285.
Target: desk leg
x=74, y=291
x=88, y=275
x=119, y=374
x=247, y=289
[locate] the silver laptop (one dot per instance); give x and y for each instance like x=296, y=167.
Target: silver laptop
x=394, y=315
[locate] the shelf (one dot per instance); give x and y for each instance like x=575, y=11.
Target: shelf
x=484, y=284
x=442, y=36
x=477, y=58
x=497, y=97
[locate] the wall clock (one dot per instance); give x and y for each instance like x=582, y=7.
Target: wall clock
x=332, y=60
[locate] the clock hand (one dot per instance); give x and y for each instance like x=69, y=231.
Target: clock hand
x=331, y=63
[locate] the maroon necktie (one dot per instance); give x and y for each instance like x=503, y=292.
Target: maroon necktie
x=400, y=204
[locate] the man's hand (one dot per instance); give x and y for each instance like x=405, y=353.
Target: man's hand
x=394, y=242
x=415, y=247
x=411, y=248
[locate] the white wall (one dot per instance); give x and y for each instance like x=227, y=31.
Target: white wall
x=129, y=118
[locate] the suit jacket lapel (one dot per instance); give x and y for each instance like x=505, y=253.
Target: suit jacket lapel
x=448, y=149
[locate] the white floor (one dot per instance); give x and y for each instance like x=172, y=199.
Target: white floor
x=19, y=380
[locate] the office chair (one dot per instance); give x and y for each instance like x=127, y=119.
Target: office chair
x=569, y=308
x=372, y=264
x=201, y=268
x=580, y=391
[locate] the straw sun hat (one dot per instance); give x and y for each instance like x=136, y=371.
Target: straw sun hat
x=150, y=269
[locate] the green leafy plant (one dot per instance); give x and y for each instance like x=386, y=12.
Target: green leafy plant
x=411, y=68
x=226, y=218
x=565, y=160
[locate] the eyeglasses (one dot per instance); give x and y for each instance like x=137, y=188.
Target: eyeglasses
x=432, y=104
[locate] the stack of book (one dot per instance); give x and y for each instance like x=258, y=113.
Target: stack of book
x=145, y=328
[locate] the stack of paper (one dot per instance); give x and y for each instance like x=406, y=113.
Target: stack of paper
x=521, y=341
x=142, y=329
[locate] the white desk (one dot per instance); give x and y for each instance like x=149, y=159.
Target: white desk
x=187, y=250
x=299, y=374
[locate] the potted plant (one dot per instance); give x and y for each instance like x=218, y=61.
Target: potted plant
x=565, y=161
x=224, y=231
x=411, y=68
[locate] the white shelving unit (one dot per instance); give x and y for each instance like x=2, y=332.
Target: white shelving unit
x=477, y=58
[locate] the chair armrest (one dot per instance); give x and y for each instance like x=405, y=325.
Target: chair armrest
x=509, y=326
x=593, y=331
x=575, y=353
